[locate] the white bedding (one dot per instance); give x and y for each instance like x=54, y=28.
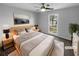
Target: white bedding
x=36, y=45
x=43, y=48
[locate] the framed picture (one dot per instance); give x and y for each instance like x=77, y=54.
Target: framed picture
x=21, y=19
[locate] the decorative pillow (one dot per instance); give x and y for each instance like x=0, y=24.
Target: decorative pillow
x=23, y=32
x=14, y=32
x=26, y=30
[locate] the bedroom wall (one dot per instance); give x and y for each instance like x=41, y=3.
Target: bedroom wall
x=6, y=16
x=66, y=16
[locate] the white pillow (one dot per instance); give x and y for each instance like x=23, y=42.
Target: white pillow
x=24, y=32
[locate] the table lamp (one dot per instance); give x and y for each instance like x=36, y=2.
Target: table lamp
x=6, y=31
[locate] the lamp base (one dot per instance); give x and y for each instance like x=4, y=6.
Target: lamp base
x=6, y=35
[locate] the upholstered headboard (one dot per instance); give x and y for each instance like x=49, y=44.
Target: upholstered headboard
x=20, y=28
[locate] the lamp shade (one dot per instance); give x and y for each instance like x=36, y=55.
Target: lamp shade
x=6, y=31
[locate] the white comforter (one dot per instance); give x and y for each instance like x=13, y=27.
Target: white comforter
x=36, y=44
x=43, y=48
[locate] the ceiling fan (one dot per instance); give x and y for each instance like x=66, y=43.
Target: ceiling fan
x=45, y=7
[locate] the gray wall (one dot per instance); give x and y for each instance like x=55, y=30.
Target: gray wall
x=66, y=16
x=6, y=16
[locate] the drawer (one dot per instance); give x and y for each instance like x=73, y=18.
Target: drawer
x=7, y=41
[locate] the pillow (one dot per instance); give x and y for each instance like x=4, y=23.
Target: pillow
x=26, y=30
x=23, y=32
x=15, y=36
x=30, y=30
x=14, y=32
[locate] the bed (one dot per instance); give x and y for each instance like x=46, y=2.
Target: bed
x=35, y=44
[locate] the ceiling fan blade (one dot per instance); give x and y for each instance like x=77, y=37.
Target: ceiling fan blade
x=47, y=5
x=43, y=4
x=50, y=8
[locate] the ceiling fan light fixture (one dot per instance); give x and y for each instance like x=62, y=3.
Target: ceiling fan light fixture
x=43, y=9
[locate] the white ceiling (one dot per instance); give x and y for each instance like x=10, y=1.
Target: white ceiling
x=33, y=6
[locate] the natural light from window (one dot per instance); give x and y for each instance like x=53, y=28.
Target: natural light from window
x=53, y=23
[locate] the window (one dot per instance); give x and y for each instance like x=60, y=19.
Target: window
x=53, y=23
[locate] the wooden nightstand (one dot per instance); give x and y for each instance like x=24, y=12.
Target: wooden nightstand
x=0, y=48
x=7, y=43
x=8, y=46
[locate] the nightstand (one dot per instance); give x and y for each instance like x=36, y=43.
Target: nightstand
x=8, y=46
x=0, y=50
x=7, y=43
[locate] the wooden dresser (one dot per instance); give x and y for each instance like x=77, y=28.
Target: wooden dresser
x=75, y=44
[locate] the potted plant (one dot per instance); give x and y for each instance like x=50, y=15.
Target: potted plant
x=72, y=29
x=78, y=30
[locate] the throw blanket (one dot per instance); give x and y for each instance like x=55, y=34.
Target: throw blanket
x=32, y=43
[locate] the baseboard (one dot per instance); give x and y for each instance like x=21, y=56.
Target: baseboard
x=56, y=36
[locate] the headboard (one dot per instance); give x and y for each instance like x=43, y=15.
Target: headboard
x=20, y=28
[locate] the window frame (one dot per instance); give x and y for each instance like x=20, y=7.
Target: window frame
x=49, y=23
